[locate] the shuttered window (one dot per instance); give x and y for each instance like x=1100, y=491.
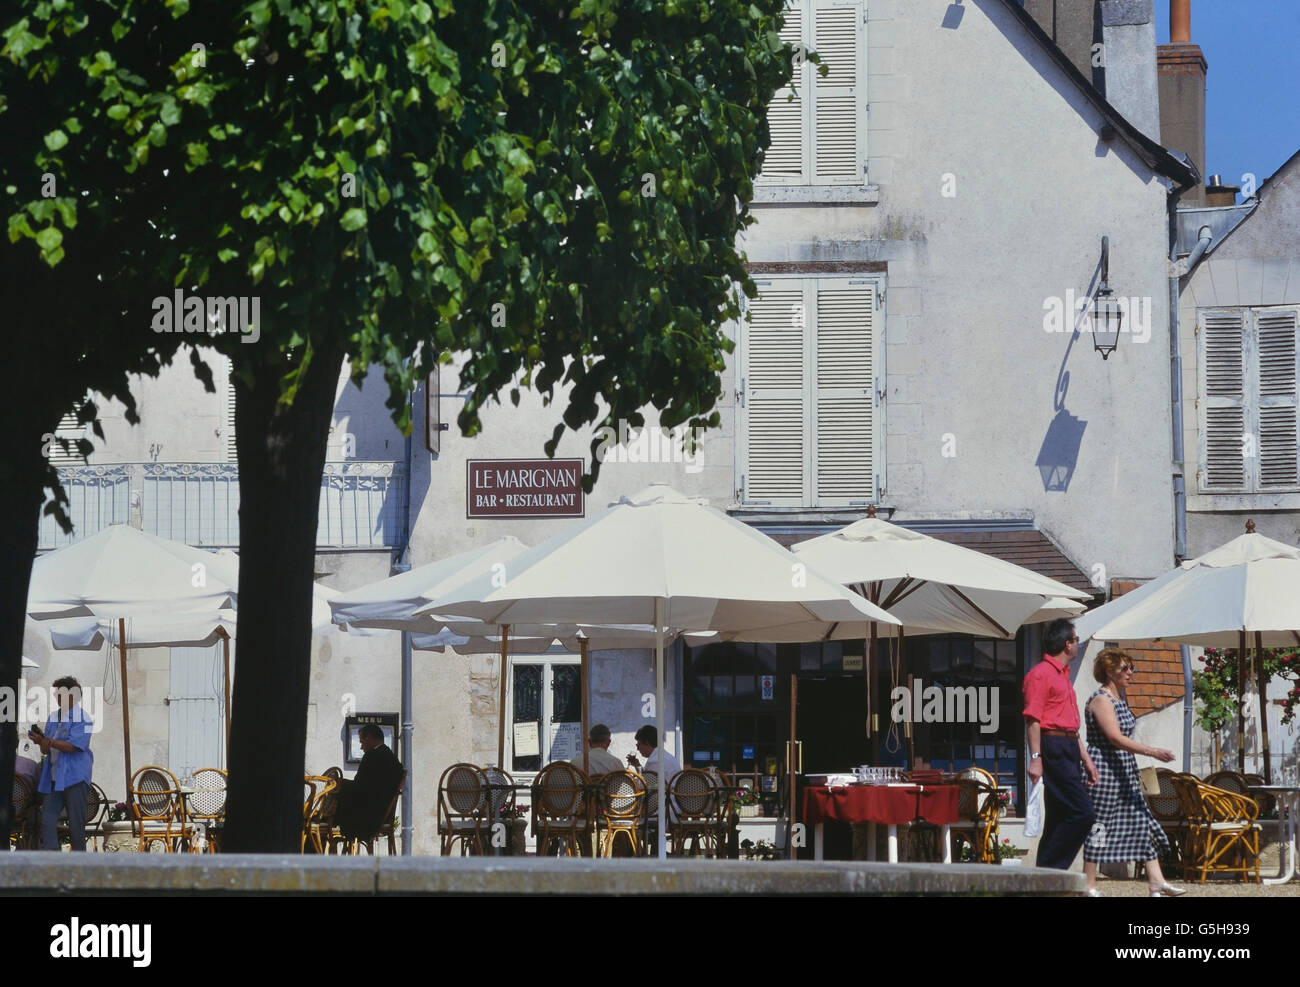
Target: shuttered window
x=1250, y=428
x=70, y=430
x=819, y=123
x=808, y=368
x=228, y=418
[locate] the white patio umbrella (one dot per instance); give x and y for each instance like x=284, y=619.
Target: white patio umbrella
x=121, y=572
x=662, y=559
x=1241, y=594
x=392, y=602
x=930, y=585
x=1056, y=606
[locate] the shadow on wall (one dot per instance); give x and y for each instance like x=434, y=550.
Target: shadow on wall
x=1059, y=453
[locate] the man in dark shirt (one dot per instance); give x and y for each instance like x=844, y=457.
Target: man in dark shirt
x=364, y=800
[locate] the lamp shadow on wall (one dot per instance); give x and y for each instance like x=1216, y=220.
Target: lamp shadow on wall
x=952, y=16
x=1059, y=453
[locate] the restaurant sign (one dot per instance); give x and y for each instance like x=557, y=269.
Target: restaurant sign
x=524, y=488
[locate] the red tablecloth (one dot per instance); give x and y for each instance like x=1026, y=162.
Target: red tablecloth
x=880, y=804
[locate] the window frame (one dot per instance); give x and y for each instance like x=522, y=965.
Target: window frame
x=548, y=663
x=1251, y=400
x=808, y=186
x=810, y=498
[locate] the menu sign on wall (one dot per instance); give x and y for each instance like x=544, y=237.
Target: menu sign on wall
x=524, y=488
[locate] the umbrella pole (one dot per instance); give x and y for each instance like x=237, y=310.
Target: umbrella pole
x=586, y=712
x=126, y=705
x=1261, y=683
x=659, y=725
x=1242, y=659
x=501, y=718
x=225, y=655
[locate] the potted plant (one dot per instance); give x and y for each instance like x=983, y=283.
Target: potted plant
x=1010, y=854
x=747, y=802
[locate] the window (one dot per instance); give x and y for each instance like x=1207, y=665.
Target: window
x=545, y=709
x=819, y=123
x=1248, y=407
x=63, y=449
x=810, y=369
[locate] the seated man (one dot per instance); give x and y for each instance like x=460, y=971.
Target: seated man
x=364, y=800
x=599, y=760
x=660, y=761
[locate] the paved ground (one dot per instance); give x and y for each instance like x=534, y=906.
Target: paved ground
x=1215, y=887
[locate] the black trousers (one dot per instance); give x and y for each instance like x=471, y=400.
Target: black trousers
x=1067, y=804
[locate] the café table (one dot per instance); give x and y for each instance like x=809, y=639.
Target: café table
x=889, y=804
x=1288, y=826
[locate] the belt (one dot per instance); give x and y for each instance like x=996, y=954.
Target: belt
x=1061, y=733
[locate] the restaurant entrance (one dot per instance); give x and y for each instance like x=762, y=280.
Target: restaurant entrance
x=830, y=722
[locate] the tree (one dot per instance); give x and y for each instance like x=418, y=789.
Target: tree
x=553, y=188
x=80, y=243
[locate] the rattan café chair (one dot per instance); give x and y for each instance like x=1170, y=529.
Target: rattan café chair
x=463, y=809
x=1222, y=835
x=559, y=812
x=695, y=810
x=205, y=809
x=157, y=812
x=22, y=835
x=318, y=814
x=621, y=809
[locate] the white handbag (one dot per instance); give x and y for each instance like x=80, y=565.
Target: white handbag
x=1034, y=811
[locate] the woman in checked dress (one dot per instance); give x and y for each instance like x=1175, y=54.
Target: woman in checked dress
x=1124, y=829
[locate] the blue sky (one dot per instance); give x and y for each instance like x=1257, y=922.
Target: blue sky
x=1252, y=98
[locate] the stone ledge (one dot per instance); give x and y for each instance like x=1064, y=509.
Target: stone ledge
x=35, y=873
x=815, y=195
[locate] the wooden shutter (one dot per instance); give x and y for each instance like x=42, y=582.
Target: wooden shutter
x=1225, y=405
x=228, y=419
x=786, y=158
x=1276, y=330
x=69, y=428
x=844, y=435
x=773, y=375
x=838, y=110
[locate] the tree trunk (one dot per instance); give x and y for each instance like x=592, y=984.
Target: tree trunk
x=281, y=458
x=21, y=495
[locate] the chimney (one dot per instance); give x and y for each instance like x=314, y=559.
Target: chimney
x=1181, y=68
x=1129, y=36
x=1218, y=194
x=1075, y=27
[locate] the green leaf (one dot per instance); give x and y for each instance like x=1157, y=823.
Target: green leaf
x=354, y=219
x=49, y=238
x=119, y=111
x=56, y=139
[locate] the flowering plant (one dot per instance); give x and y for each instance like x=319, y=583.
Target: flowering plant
x=762, y=850
x=514, y=811
x=1216, y=688
x=746, y=796
x=1007, y=849
x=117, y=813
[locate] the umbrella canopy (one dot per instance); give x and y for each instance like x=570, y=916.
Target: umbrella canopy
x=1056, y=606
x=123, y=572
x=932, y=586
x=711, y=572
x=1248, y=585
x=666, y=560
x=1241, y=595
x=391, y=603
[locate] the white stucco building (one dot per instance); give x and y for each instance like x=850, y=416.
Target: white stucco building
x=931, y=212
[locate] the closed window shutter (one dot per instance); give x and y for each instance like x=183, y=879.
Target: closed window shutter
x=845, y=416
x=1278, y=446
x=837, y=109
x=773, y=365
x=228, y=418
x=70, y=429
x=786, y=158
x=1223, y=346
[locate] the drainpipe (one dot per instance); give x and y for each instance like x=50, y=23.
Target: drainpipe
x=402, y=563
x=1176, y=417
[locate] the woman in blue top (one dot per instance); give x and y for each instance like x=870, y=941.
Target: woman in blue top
x=65, y=773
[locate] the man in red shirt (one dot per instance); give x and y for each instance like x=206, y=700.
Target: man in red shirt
x=1055, y=749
